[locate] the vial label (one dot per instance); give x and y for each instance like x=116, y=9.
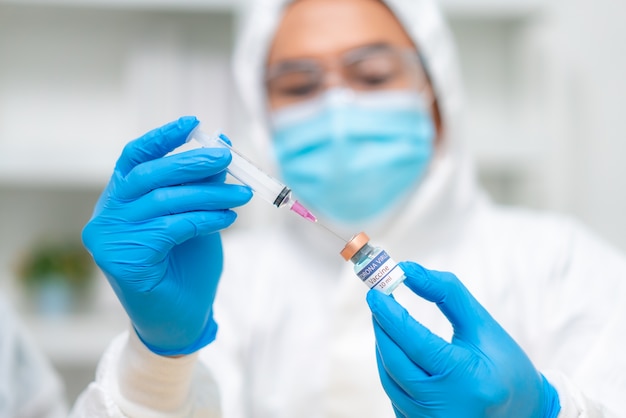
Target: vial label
x=381, y=273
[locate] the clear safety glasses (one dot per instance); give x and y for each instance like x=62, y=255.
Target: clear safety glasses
x=371, y=67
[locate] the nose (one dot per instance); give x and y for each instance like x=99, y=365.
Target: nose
x=332, y=79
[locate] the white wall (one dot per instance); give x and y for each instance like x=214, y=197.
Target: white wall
x=588, y=40
x=76, y=83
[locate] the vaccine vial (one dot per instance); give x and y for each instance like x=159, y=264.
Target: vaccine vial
x=372, y=264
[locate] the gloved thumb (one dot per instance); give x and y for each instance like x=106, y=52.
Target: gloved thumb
x=465, y=313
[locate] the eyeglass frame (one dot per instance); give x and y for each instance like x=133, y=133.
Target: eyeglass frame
x=337, y=67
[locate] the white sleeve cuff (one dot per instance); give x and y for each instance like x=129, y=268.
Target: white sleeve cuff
x=144, y=384
x=574, y=403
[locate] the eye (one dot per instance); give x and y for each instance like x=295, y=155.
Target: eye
x=374, y=79
x=299, y=90
x=374, y=71
x=294, y=84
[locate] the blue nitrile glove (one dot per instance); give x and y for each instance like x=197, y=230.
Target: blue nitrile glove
x=154, y=233
x=481, y=373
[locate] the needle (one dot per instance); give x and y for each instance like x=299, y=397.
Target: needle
x=331, y=231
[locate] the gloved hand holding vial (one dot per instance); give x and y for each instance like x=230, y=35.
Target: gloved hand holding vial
x=399, y=343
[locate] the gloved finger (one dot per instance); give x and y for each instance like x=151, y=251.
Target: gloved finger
x=159, y=235
x=165, y=233
x=179, y=199
x=155, y=144
x=397, y=412
x=217, y=178
x=182, y=227
x=226, y=139
x=103, y=198
x=407, y=374
x=425, y=349
x=463, y=311
x=403, y=404
x=186, y=167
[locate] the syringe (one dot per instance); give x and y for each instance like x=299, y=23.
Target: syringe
x=263, y=185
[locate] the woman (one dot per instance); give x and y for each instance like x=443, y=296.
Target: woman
x=361, y=101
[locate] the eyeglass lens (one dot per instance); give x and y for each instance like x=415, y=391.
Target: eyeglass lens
x=373, y=67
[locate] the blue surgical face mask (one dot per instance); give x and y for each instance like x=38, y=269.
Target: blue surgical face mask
x=351, y=157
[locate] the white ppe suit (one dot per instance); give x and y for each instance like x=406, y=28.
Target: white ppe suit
x=295, y=336
x=29, y=386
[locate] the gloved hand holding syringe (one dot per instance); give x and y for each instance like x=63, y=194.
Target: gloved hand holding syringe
x=263, y=185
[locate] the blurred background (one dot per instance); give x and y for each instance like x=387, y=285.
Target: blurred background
x=79, y=78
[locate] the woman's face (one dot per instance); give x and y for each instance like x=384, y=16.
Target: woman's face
x=324, y=43
x=335, y=149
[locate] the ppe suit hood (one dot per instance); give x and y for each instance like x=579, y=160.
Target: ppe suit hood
x=449, y=187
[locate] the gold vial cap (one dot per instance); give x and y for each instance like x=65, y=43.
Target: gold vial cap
x=354, y=245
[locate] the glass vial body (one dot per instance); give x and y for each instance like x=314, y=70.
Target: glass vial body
x=372, y=264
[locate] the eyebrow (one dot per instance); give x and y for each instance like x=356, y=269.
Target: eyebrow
x=367, y=49
x=375, y=47
x=299, y=64
x=296, y=64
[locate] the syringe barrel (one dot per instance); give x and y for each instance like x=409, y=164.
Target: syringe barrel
x=264, y=186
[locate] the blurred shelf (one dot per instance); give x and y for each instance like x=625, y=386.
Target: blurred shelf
x=75, y=340
x=98, y=73
x=504, y=9
x=492, y=9
x=173, y=5
x=39, y=171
